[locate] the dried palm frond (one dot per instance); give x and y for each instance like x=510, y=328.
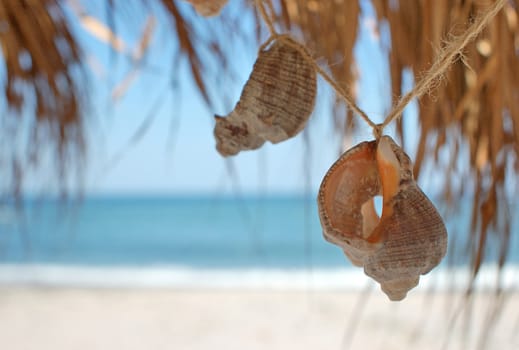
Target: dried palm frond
x=203, y=45
x=45, y=86
x=137, y=57
x=42, y=84
x=329, y=29
x=102, y=32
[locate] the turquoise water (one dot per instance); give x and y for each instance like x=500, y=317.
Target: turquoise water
x=200, y=232
x=204, y=233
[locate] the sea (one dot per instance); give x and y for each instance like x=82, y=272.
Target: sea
x=231, y=242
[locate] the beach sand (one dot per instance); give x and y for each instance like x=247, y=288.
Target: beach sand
x=61, y=318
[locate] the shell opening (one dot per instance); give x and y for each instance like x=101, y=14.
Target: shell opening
x=378, y=201
x=371, y=212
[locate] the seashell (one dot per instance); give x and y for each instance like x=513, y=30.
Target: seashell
x=408, y=240
x=208, y=8
x=275, y=104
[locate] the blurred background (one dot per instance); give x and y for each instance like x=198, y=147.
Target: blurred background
x=122, y=227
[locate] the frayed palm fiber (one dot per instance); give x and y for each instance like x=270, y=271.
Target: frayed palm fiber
x=40, y=88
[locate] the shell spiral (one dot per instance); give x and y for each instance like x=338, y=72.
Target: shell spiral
x=409, y=238
x=275, y=104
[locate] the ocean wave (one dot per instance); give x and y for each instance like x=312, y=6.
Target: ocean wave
x=180, y=277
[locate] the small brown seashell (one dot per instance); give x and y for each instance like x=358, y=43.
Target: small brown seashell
x=275, y=103
x=208, y=8
x=408, y=240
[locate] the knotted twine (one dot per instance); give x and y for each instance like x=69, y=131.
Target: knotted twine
x=452, y=51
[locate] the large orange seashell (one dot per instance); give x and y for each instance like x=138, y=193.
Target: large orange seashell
x=275, y=104
x=408, y=240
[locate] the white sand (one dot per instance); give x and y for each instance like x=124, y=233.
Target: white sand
x=56, y=318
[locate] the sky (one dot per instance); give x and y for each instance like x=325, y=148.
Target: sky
x=176, y=154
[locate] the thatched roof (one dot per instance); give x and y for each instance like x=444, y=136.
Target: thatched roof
x=473, y=111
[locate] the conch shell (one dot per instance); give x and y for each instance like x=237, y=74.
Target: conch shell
x=408, y=240
x=275, y=103
x=208, y=8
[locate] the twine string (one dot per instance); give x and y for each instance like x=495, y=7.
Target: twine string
x=452, y=51
x=260, y=5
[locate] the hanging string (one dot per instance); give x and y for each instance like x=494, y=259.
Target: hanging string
x=451, y=52
x=447, y=57
x=266, y=18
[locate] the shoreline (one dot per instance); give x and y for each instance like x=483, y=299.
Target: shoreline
x=156, y=318
x=344, y=279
